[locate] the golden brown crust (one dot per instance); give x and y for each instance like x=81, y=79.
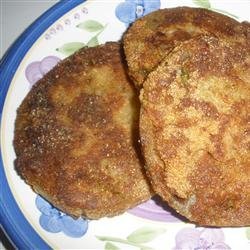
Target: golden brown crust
x=75, y=136
x=195, y=131
x=150, y=38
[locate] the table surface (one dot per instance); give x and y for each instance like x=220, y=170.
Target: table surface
x=16, y=16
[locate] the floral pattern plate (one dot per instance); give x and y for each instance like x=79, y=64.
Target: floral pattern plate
x=30, y=221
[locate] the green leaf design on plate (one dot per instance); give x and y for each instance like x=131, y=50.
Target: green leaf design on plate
x=90, y=26
x=69, y=48
x=110, y=246
x=224, y=12
x=206, y=4
x=122, y=241
x=145, y=234
x=93, y=42
x=202, y=3
x=248, y=233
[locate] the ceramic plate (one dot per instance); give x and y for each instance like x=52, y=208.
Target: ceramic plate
x=30, y=221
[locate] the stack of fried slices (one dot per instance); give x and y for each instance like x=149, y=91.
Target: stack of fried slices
x=77, y=131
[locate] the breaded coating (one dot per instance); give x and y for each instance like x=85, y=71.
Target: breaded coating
x=151, y=37
x=75, y=136
x=195, y=131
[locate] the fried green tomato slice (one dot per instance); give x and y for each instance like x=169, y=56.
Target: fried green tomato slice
x=195, y=131
x=75, y=136
x=149, y=38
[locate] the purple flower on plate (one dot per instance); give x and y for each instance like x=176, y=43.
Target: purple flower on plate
x=59, y=27
x=77, y=16
x=52, y=31
x=154, y=209
x=205, y=239
x=54, y=221
x=128, y=11
x=67, y=22
x=84, y=10
x=36, y=70
x=47, y=36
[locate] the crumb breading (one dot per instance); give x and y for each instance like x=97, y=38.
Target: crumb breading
x=75, y=136
x=195, y=131
x=149, y=38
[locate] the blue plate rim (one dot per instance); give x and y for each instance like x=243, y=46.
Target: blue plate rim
x=12, y=220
